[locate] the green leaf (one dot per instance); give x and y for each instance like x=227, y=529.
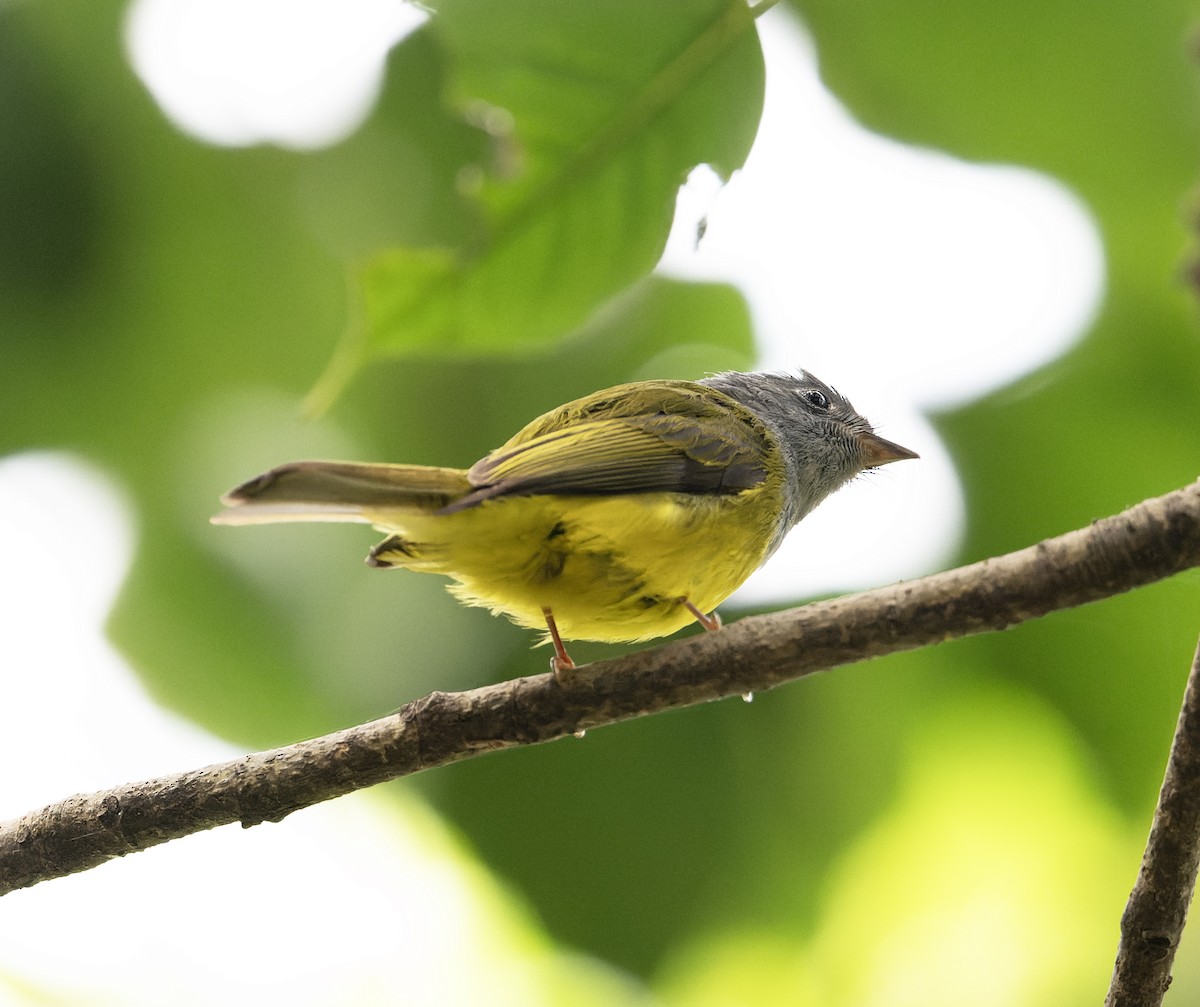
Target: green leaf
x=392, y=183
x=597, y=116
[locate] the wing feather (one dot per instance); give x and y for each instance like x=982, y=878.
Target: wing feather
x=646, y=437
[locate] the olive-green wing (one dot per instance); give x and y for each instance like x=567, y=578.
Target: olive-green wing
x=645, y=437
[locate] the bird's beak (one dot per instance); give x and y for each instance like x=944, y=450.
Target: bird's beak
x=876, y=451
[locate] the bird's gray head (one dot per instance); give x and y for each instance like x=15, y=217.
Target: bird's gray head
x=825, y=442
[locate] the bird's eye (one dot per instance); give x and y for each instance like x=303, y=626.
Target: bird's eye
x=816, y=399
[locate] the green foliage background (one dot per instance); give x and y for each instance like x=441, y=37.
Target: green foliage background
x=165, y=306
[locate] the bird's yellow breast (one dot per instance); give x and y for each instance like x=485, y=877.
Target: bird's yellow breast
x=612, y=568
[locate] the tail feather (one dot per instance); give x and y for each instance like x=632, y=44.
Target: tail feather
x=340, y=491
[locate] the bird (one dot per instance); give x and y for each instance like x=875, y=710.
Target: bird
x=621, y=516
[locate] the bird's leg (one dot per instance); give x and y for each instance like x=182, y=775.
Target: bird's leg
x=561, y=662
x=710, y=622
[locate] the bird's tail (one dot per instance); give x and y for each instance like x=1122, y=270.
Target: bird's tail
x=341, y=491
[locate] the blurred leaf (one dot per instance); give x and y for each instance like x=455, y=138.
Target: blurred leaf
x=597, y=116
x=48, y=204
x=1106, y=102
x=395, y=180
x=977, y=886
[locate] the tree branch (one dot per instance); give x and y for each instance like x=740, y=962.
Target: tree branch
x=1152, y=923
x=1153, y=540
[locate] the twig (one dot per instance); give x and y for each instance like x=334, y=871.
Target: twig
x=1153, y=919
x=1153, y=540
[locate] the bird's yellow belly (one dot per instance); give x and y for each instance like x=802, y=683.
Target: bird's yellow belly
x=616, y=569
